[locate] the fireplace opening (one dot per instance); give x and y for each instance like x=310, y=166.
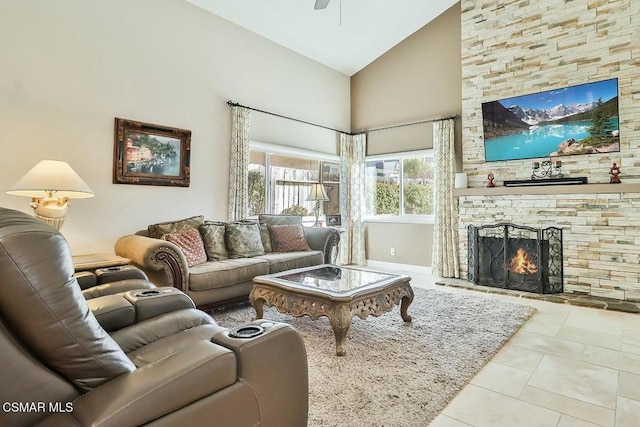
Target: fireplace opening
x=522, y=263
x=516, y=257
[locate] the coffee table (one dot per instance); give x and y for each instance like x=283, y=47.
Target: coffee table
x=334, y=291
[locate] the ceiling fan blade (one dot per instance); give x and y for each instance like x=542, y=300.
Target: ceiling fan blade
x=321, y=4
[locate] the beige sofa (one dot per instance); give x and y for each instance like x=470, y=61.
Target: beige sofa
x=223, y=281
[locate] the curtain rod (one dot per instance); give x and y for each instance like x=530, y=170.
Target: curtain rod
x=456, y=116
x=235, y=104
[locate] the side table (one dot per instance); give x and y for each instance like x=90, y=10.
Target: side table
x=90, y=262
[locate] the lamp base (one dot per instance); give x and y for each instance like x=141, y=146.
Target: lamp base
x=316, y=210
x=54, y=222
x=51, y=211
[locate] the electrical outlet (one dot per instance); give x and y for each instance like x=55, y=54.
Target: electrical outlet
x=392, y=251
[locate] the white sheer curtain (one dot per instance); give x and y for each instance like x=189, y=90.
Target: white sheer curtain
x=352, y=178
x=239, y=167
x=445, y=236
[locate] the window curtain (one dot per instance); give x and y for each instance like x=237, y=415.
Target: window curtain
x=352, y=179
x=239, y=167
x=445, y=240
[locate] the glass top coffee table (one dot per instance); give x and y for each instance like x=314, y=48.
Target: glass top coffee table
x=333, y=291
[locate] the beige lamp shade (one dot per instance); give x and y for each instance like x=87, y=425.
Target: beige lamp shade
x=52, y=176
x=51, y=184
x=317, y=193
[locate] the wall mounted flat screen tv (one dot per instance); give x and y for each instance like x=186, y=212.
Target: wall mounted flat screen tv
x=580, y=119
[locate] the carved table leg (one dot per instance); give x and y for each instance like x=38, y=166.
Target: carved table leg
x=257, y=304
x=404, y=305
x=340, y=322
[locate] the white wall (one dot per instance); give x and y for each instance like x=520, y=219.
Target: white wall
x=68, y=67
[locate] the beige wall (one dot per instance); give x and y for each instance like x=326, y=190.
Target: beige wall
x=418, y=79
x=69, y=67
x=381, y=237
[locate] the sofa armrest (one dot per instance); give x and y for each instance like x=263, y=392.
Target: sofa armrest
x=86, y=279
x=118, y=311
x=120, y=272
x=113, y=312
x=154, y=302
x=281, y=349
x=323, y=239
x=154, y=390
x=156, y=328
x=116, y=288
x=162, y=261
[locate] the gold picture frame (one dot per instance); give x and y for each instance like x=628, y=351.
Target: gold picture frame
x=149, y=154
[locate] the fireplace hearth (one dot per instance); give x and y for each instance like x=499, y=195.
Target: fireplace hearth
x=516, y=257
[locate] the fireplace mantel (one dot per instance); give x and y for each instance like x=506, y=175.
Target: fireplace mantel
x=549, y=189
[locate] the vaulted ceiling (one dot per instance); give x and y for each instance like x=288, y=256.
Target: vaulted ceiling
x=347, y=35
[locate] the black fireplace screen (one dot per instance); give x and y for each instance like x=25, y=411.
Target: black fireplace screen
x=516, y=257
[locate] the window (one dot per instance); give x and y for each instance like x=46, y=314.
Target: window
x=400, y=186
x=280, y=180
x=257, y=185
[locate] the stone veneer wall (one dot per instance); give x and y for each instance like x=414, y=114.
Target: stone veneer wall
x=600, y=232
x=517, y=47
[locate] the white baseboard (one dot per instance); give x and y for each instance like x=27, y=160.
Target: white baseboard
x=401, y=267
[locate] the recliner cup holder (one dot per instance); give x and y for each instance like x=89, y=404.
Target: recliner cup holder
x=149, y=293
x=247, y=331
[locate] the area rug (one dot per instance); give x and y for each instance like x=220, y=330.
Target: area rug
x=398, y=374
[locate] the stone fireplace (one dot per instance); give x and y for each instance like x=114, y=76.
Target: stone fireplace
x=515, y=48
x=516, y=257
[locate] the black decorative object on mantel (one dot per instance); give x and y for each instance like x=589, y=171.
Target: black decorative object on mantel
x=546, y=169
x=550, y=181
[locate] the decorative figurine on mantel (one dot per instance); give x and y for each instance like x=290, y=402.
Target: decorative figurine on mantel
x=614, y=172
x=547, y=169
x=490, y=177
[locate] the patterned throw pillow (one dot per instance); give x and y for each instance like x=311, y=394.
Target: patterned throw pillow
x=243, y=240
x=158, y=230
x=266, y=238
x=191, y=244
x=279, y=219
x=288, y=238
x=213, y=237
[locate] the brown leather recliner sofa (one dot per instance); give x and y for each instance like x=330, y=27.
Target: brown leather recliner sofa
x=59, y=367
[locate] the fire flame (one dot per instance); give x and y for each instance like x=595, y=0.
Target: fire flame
x=522, y=263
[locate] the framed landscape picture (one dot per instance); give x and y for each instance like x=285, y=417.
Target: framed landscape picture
x=149, y=154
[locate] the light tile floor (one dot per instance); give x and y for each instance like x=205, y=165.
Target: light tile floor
x=567, y=366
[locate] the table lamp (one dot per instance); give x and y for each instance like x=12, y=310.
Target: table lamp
x=317, y=195
x=51, y=184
